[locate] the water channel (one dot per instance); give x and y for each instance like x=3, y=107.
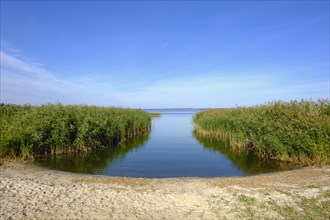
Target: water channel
x=171, y=149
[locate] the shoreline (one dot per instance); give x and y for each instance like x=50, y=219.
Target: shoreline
x=29, y=191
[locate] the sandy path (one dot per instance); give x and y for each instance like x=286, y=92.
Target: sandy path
x=28, y=191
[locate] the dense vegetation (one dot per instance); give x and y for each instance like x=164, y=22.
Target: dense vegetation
x=32, y=131
x=293, y=131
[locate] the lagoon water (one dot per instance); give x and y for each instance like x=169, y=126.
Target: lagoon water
x=170, y=150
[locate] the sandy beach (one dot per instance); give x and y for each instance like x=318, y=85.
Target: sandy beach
x=31, y=192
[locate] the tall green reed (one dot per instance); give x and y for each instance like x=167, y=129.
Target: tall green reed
x=32, y=131
x=297, y=132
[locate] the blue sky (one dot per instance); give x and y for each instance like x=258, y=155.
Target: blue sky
x=148, y=54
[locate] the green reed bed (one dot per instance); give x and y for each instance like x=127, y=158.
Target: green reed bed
x=33, y=131
x=297, y=132
x=154, y=114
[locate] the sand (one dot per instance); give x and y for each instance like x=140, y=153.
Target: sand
x=31, y=192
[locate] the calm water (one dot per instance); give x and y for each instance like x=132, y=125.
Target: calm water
x=171, y=150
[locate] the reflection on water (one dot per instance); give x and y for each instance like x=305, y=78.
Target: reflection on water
x=246, y=161
x=171, y=150
x=94, y=162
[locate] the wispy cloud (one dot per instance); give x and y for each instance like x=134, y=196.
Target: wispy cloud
x=221, y=90
x=27, y=82
x=23, y=82
x=10, y=62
